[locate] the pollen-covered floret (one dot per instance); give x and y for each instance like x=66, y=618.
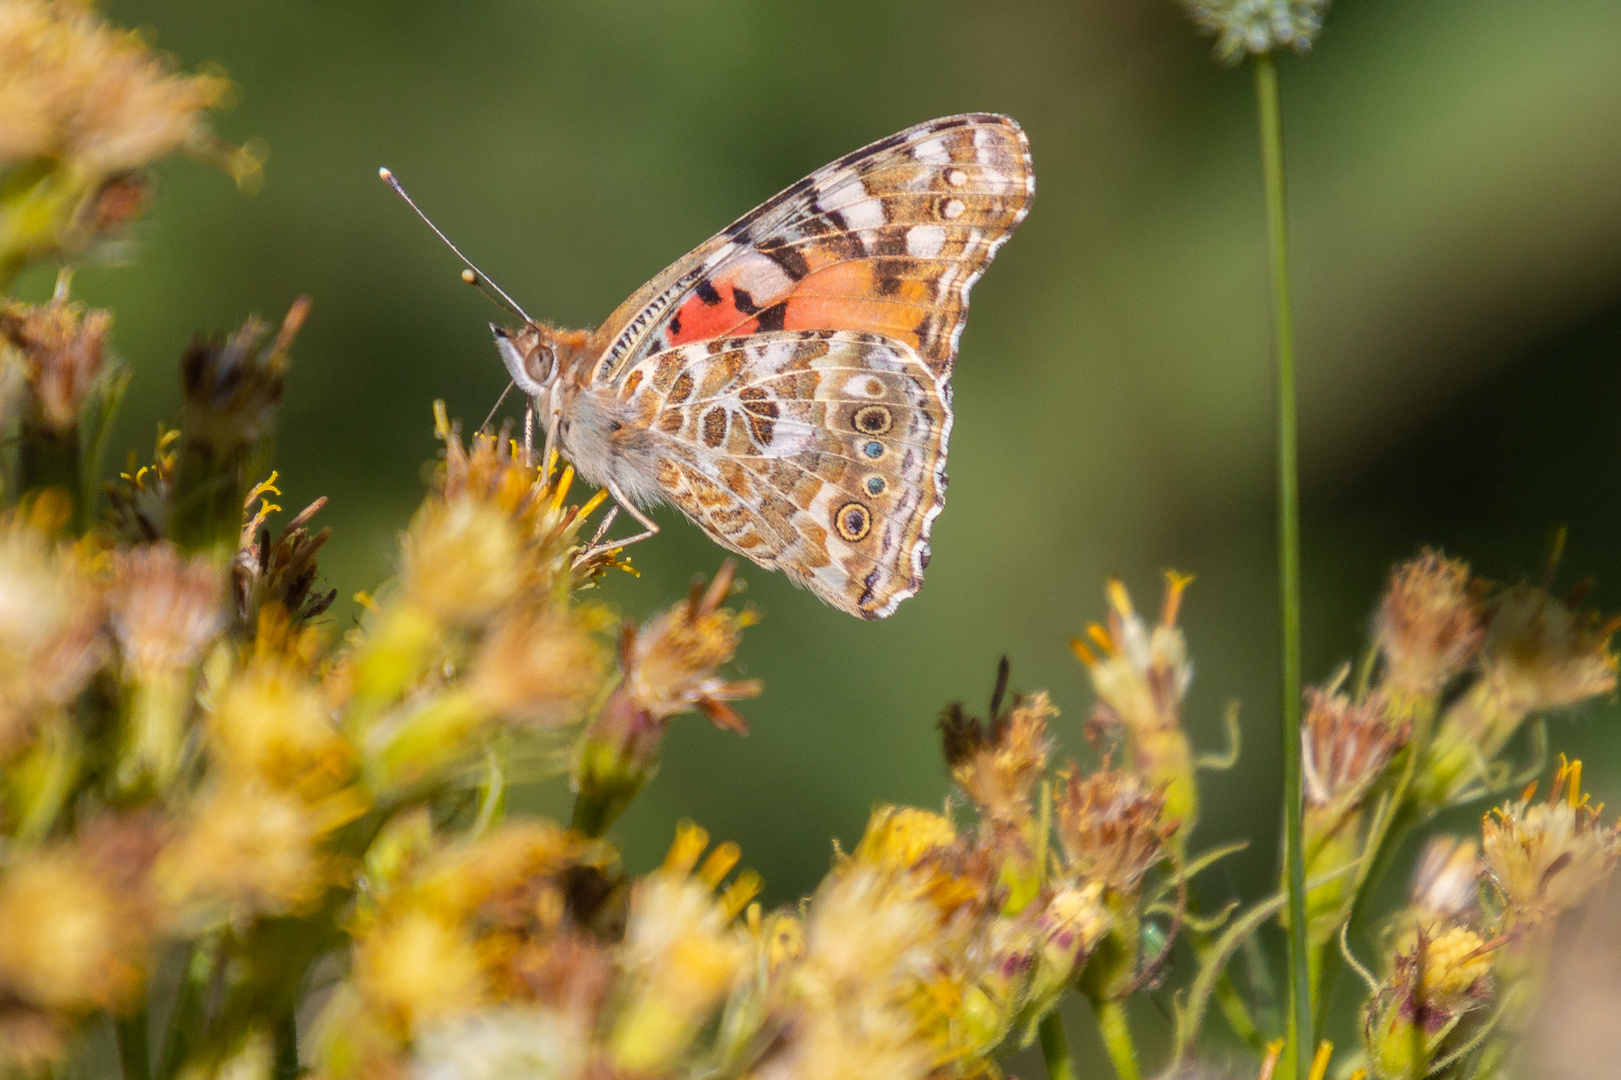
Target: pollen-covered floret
x=1547, y=856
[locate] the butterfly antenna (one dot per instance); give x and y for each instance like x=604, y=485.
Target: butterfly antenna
x=472, y=275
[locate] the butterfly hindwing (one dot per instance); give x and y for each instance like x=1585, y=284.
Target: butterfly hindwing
x=818, y=453
x=886, y=240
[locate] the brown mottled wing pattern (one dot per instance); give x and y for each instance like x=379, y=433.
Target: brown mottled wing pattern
x=820, y=454
x=887, y=240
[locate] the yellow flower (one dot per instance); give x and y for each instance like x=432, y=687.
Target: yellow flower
x=245, y=848
x=78, y=931
x=681, y=955
x=540, y=667
x=418, y=967
x=1547, y=857
x=272, y=723
x=457, y=881
x=1434, y=986
x=1141, y=675
x=460, y=561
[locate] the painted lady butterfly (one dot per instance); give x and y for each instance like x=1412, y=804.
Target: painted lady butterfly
x=788, y=384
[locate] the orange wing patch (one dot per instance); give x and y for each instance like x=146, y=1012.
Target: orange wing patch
x=888, y=240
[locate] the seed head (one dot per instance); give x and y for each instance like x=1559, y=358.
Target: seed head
x=1345, y=747
x=1429, y=625
x=1110, y=827
x=1246, y=27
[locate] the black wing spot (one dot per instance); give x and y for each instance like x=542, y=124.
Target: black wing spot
x=707, y=292
x=773, y=317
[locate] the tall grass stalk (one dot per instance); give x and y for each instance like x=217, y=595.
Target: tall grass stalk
x=1300, y=1019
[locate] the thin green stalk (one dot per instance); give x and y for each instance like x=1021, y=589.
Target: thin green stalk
x=286, y=1067
x=1300, y=1020
x=1055, y=1047
x=1116, y=1034
x=134, y=1052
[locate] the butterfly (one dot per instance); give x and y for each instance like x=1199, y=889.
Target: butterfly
x=787, y=385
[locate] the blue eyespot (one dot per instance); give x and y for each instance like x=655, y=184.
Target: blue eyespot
x=874, y=449
x=875, y=485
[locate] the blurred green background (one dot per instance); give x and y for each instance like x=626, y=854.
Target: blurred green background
x=1456, y=213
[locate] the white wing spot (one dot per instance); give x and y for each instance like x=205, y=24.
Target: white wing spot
x=866, y=214
x=956, y=178
x=925, y=241
x=952, y=210
x=932, y=152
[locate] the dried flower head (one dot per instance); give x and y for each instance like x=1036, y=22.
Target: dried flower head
x=1345, y=747
x=88, y=106
x=1546, y=857
x=1245, y=27
x=279, y=572
x=61, y=347
x=1543, y=653
x=670, y=662
x=51, y=639
x=1110, y=827
x=998, y=762
x=233, y=384
x=1429, y=624
x=165, y=608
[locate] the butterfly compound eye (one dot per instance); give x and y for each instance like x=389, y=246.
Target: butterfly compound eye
x=540, y=363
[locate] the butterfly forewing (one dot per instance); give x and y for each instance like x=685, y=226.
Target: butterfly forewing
x=886, y=240
x=820, y=454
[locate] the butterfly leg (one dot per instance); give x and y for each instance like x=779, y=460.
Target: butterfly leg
x=649, y=526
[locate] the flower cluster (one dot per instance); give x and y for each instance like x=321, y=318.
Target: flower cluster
x=84, y=110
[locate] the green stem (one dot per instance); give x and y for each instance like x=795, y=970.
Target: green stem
x=134, y=1053
x=1055, y=1048
x=1117, y=1037
x=286, y=1067
x=1300, y=1020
